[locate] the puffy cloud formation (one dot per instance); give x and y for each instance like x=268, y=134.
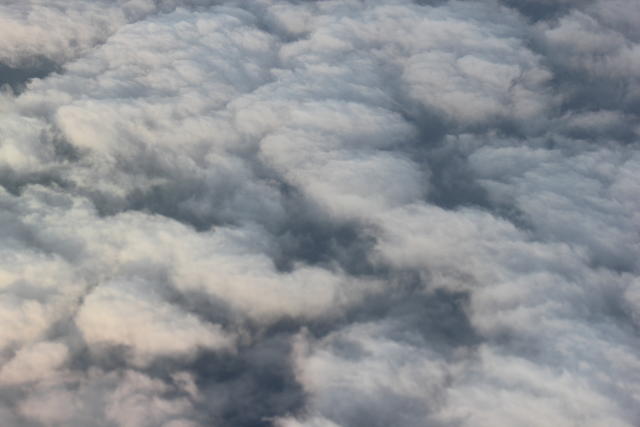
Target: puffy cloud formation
x=319, y=213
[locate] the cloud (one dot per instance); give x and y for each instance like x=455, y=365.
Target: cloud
x=34, y=363
x=335, y=213
x=114, y=315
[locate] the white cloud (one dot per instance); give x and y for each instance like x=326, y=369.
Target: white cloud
x=319, y=213
x=128, y=315
x=34, y=363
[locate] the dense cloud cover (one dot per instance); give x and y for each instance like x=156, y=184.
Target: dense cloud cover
x=319, y=213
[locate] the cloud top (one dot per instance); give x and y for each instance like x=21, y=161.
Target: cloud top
x=319, y=213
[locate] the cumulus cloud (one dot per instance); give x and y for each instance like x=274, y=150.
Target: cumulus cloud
x=335, y=213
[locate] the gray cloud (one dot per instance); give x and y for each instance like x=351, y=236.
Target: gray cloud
x=336, y=213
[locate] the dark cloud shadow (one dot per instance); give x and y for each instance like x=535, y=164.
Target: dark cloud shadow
x=17, y=77
x=250, y=389
x=540, y=10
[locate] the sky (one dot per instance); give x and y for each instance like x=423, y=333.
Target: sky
x=330, y=213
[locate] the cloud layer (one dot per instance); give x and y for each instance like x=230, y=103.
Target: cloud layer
x=319, y=213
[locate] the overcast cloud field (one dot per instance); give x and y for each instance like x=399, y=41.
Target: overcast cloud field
x=339, y=213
